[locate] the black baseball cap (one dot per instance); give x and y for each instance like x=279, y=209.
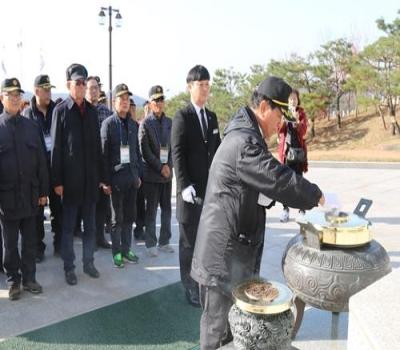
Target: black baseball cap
x=76, y=71
x=121, y=89
x=156, y=92
x=12, y=84
x=43, y=81
x=278, y=91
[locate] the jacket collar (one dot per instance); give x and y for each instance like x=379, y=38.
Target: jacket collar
x=243, y=119
x=70, y=102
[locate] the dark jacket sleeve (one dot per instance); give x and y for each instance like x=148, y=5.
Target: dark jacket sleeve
x=178, y=149
x=105, y=145
x=43, y=173
x=218, y=141
x=261, y=171
x=149, y=157
x=57, y=149
x=101, y=164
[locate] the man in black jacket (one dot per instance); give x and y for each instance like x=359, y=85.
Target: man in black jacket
x=77, y=169
x=119, y=137
x=41, y=111
x=194, y=141
x=154, y=140
x=244, y=178
x=23, y=187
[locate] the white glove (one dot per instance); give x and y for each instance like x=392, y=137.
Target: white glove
x=188, y=193
x=332, y=202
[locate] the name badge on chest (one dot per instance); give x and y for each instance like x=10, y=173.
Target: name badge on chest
x=164, y=154
x=47, y=141
x=124, y=151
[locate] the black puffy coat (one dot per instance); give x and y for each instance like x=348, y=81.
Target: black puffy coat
x=232, y=224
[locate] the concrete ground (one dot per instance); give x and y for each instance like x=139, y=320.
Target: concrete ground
x=379, y=182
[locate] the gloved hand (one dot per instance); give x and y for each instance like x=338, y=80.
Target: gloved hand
x=188, y=194
x=332, y=202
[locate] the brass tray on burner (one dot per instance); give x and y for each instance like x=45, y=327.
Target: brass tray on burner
x=339, y=229
x=260, y=296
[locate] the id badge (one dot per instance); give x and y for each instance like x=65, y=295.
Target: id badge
x=164, y=155
x=125, y=154
x=47, y=141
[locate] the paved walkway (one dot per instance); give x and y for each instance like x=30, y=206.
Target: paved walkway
x=381, y=183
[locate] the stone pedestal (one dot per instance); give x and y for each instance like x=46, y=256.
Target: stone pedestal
x=374, y=315
x=256, y=331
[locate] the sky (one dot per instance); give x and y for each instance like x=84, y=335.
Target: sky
x=160, y=40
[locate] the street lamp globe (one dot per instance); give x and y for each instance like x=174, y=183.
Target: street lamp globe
x=118, y=20
x=102, y=18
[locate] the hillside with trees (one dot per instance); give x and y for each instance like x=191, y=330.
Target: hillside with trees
x=348, y=93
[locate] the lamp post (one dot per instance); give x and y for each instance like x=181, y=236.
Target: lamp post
x=118, y=22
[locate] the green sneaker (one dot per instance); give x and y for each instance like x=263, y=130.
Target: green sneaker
x=118, y=260
x=131, y=257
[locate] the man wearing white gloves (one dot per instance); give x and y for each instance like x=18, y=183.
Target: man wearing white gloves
x=194, y=141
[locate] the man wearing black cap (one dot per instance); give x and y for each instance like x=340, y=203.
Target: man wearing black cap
x=244, y=179
x=119, y=137
x=103, y=206
x=154, y=139
x=41, y=111
x=23, y=184
x=194, y=141
x=77, y=169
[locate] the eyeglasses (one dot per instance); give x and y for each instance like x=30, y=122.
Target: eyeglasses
x=12, y=95
x=80, y=82
x=159, y=100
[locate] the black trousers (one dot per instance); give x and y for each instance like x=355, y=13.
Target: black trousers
x=124, y=212
x=103, y=208
x=140, y=211
x=56, y=218
x=14, y=264
x=187, y=240
x=1, y=250
x=214, y=326
x=158, y=193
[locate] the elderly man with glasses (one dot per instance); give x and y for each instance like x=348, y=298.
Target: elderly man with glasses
x=77, y=169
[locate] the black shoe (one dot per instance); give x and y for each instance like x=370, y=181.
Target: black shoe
x=39, y=257
x=32, y=287
x=14, y=293
x=192, y=296
x=70, y=277
x=104, y=244
x=90, y=270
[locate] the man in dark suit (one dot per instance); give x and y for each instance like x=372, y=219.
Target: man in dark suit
x=194, y=141
x=77, y=169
